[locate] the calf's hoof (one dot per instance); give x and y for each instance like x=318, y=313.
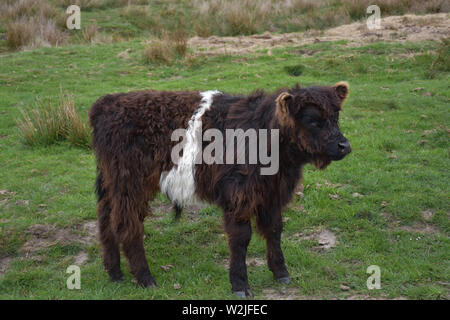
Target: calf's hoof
x=284, y=280
x=243, y=294
x=116, y=276
x=147, y=281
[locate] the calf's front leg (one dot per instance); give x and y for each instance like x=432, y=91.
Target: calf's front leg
x=271, y=230
x=239, y=235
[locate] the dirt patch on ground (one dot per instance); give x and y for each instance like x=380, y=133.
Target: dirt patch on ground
x=285, y=294
x=159, y=210
x=367, y=297
x=393, y=28
x=325, y=239
x=4, y=265
x=81, y=258
x=291, y=294
x=421, y=228
x=5, y=197
x=6, y=193
x=427, y=215
x=43, y=236
x=90, y=228
x=250, y=261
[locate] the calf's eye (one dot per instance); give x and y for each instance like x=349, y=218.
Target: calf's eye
x=316, y=124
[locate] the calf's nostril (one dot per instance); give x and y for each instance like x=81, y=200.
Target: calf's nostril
x=344, y=146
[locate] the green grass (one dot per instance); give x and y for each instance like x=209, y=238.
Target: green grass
x=398, y=167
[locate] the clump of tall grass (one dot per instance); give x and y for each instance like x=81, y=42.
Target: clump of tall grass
x=47, y=123
x=303, y=5
x=25, y=33
x=11, y=9
x=438, y=62
x=178, y=41
x=31, y=23
x=91, y=4
x=92, y=35
x=235, y=17
x=100, y=4
x=142, y=17
x=158, y=52
x=166, y=49
x=442, y=61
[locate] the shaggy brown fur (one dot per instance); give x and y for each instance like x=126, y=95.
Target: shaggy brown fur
x=132, y=141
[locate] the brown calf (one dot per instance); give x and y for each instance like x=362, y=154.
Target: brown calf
x=133, y=143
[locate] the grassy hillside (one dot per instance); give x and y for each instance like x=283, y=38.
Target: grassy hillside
x=36, y=23
x=386, y=204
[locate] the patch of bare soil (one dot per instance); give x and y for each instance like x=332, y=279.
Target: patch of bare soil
x=43, y=236
x=325, y=239
x=4, y=265
x=158, y=210
x=5, y=197
x=367, y=297
x=250, y=261
x=6, y=193
x=427, y=214
x=421, y=228
x=393, y=28
x=285, y=294
x=291, y=294
x=81, y=258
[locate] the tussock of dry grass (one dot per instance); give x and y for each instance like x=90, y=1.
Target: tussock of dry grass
x=303, y=5
x=12, y=9
x=158, y=52
x=90, y=33
x=178, y=41
x=440, y=62
x=166, y=49
x=235, y=17
x=31, y=23
x=141, y=17
x=100, y=4
x=33, y=33
x=91, y=4
x=47, y=124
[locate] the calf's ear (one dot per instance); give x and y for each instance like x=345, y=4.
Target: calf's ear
x=342, y=90
x=283, y=109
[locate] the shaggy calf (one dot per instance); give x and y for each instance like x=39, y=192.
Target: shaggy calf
x=133, y=143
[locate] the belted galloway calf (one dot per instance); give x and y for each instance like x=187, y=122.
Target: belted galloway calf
x=267, y=138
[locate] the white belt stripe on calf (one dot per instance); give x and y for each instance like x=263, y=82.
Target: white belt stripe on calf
x=178, y=184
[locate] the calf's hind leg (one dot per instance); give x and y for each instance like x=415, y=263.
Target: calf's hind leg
x=133, y=247
x=129, y=208
x=109, y=241
x=111, y=252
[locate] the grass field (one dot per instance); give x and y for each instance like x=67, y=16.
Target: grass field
x=386, y=204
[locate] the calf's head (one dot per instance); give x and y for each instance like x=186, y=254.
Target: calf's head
x=312, y=115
